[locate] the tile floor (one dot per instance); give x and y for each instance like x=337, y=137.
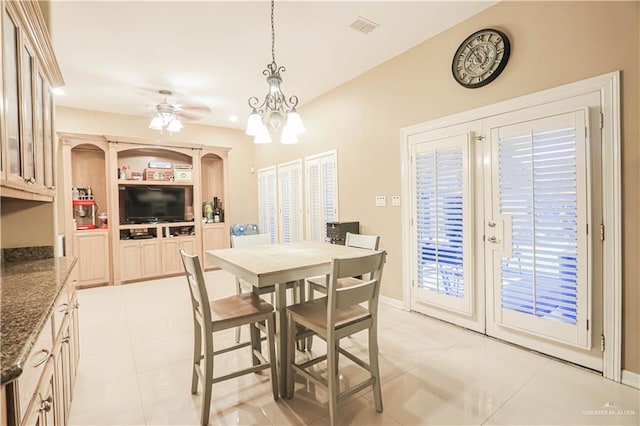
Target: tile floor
x=136, y=342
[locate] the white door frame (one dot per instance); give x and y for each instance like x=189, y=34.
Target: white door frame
x=608, y=86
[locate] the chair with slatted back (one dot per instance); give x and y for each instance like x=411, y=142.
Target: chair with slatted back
x=210, y=317
x=343, y=312
x=319, y=283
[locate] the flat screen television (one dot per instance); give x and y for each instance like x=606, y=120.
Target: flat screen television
x=149, y=204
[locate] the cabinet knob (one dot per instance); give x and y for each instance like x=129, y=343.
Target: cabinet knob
x=493, y=240
x=45, y=404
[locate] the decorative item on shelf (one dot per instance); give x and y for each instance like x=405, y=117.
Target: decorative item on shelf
x=275, y=106
x=102, y=217
x=124, y=172
x=183, y=172
x=84, y=208
x=136, y=175
x=207, y=212
x=159, y=165
x=158, y=174
x=218, y=212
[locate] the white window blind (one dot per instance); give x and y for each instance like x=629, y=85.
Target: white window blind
x=290, y=201
x=443, y=222
x=267, y=219
x=539, y=190
x=321, y=201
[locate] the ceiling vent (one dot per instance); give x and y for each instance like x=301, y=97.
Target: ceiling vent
x=364, y=25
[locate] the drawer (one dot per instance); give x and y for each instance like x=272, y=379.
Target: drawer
x=60, y=309
x=34, y=366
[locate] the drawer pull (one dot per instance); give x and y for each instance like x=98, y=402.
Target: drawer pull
x=43, y=360
x=64, y=307
x=66, y=339
x=45, y=404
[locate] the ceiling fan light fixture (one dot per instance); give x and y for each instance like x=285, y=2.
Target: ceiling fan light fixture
x=276, y=106
x=165, y=117
x=156, y=123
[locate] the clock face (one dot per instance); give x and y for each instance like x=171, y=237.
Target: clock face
x=481, y=58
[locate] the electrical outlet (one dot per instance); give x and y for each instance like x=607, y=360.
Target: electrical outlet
x=395, y=200
x=381, y=200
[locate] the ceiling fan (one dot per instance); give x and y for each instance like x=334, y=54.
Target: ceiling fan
x=168, y=114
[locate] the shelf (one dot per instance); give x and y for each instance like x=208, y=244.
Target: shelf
x=154, y=182
x=157, y=224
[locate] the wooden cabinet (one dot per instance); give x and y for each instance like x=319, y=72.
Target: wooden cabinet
x=29, y=68
x=139, y=259
x=91, y=247
x=44, y=390
x=214, y=236
x=115, y=168
x=171, y=261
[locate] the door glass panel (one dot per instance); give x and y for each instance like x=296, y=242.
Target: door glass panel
x=538, y=189
x=27, y=123
x=49, y=163
x=40, y=128
x=11, y=93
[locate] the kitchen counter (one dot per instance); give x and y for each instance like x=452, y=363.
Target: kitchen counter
x=29, y=291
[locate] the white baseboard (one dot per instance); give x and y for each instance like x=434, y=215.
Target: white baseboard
x=391, y=302
x=629, y=378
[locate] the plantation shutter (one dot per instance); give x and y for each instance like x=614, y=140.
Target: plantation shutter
x=321, y=188
x=442, y=220
x=267, y=220
x=290, y=201
x=542, y=275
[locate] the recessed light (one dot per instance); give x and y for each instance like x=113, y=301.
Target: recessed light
x=233, y=118
x=57, y=91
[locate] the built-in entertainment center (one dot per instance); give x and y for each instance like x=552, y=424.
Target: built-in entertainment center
x=153, y=200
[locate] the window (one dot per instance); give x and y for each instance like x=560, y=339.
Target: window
x=290, y=201
x=321, y=201
x=267, y=219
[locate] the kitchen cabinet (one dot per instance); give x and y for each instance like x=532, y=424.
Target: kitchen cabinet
x=139, y=259
x=171, y=260
x=215, y=236
x=91, y=247
x=41, y=382
x=30, y=69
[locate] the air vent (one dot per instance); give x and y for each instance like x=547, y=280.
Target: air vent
x=364, y=25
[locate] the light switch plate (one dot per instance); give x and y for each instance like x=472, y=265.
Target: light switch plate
x=395, y=200
x=381, y=200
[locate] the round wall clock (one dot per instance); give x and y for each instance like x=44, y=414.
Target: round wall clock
x=481, y=58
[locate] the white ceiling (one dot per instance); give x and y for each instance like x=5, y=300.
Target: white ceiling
x=115, y=56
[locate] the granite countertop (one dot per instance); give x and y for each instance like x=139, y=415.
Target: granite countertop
x=29, y=291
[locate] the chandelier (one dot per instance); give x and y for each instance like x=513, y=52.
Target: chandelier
x=276, y=107
x=165, y=117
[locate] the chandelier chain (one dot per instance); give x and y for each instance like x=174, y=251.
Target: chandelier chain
x=273, y=35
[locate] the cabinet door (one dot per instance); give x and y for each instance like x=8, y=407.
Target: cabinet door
x=150, y=259
x=11, y=147
x=92, y=251
x=26, y=101
x=171, y=262
x=130, y=261
x=43, y=408
x=213, y=237
x=49, y=141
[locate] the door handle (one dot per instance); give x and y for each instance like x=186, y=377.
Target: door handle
x=493, y=239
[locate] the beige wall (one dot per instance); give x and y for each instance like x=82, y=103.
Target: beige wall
x=26, y=223
x=242, y=203
x=553, y=43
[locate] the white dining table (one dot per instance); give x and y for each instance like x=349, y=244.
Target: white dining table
x=278, y=264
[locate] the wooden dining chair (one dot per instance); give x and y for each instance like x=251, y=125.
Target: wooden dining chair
x=319, y=283
x=210, y=317
x=341, y=313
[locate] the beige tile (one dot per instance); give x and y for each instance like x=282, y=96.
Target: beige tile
x=101, y=369
x=358, y=412
x=568, y=395
x=115, y=403
x=162, y=351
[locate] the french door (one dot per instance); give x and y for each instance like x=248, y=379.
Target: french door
x=504, y=218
